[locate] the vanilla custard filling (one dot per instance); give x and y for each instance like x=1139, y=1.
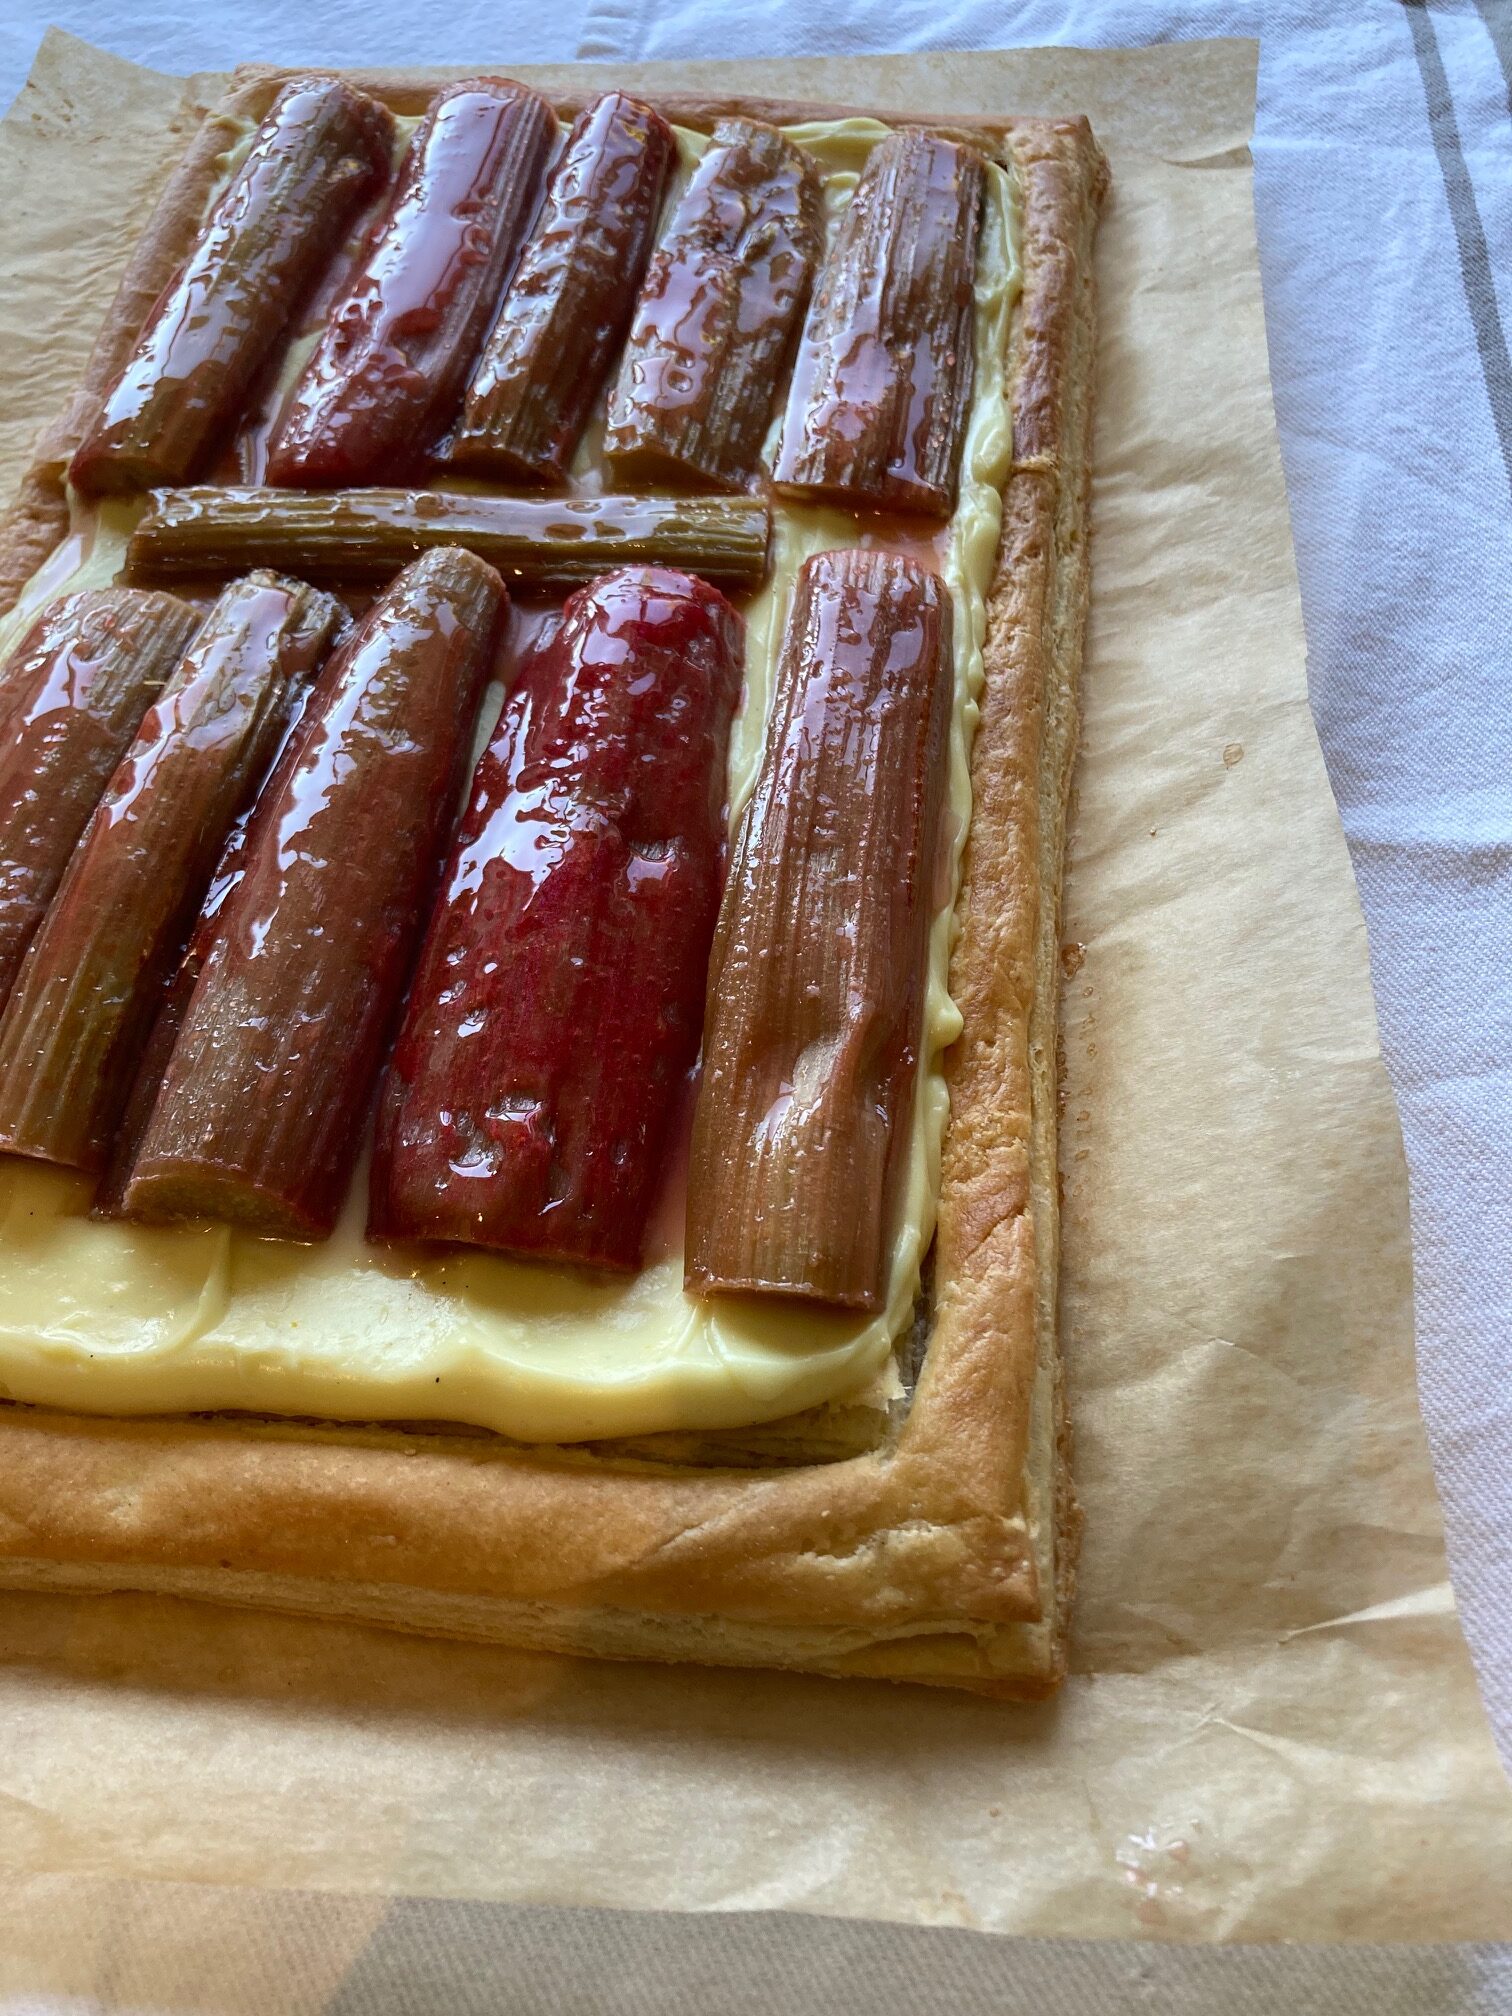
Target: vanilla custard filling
x=127, y=1319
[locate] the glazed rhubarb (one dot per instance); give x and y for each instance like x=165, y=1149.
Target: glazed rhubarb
x=718, y=314
x=557, y=1005
x=84, y=999
x=882, y=382
x=817, y=977
x=320, y=151
x=570, y=302
x=152, y=1064
x=355, y=535
x=264, y=1102
x=72, y=697
x=385, y=378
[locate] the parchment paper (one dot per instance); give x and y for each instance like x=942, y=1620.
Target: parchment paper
x=1272, y=1730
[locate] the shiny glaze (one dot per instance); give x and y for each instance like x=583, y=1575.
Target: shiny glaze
x=386, y=374
x=110, y=1192
x=350, y=535
x=557, y=1006
x=877, y=408
x=85, y=996
x=918, y=538
x=322, y=148
x=817, y=976
x=571, y=299
x=263, y=1104
x=245, y=456
x=72, y=696
x=718, y=314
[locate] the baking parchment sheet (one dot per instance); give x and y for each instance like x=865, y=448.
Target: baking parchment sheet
x=1272, y=1730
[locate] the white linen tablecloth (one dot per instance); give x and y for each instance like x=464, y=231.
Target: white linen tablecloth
x=1383, y=155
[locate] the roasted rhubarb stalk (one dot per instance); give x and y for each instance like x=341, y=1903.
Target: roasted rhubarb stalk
x=877, y=406
x=152, y=1064
x=355, y=535
x=72, y=697
x=817, y=977
x=263, y=1105
x=570, y=302
x=716, y=319
x=84, y=999
x=385, y=377
x=321, y=150
x=556, y=1009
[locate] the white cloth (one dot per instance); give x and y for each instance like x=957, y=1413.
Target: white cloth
x=1383, y=173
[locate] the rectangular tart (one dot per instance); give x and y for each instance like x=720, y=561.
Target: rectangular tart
x=921, y=1527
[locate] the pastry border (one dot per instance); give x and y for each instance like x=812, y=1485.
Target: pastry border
x=946, y=1556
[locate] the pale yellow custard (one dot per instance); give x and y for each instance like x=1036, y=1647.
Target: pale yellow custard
x=121, y=1319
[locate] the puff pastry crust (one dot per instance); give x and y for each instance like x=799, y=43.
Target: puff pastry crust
x=945, y=1555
